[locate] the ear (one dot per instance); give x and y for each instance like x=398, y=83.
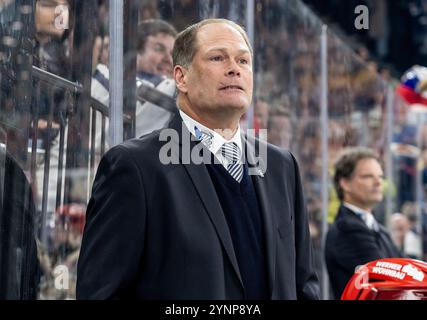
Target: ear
x=344, y=184
x=180, y=77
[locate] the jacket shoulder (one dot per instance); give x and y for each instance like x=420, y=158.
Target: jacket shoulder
x=347, y=221
x=139, y=153
x=274, y=153
x=282, y=159
x=143, y=146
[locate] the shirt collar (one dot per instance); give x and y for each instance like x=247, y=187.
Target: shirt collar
x=366, y=216
x=217, y=140
x=356, y=209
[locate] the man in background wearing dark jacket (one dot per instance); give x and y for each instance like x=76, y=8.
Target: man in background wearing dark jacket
x=355, y=237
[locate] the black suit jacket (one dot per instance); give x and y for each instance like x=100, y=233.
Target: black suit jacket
x=157, y=231
x=350, y=243
x=19, y=265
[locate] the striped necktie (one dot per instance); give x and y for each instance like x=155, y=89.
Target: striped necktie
x=230, y=151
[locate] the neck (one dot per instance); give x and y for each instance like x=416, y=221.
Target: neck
x=362, y=206
x=225, y=125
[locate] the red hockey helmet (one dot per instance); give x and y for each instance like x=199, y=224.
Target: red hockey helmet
x=388, y=279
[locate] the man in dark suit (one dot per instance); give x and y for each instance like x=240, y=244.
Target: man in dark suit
x=163, y=225
x=355, y=237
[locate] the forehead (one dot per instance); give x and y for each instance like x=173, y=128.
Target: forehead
x=368, y=165
x=161, y=36
x=220, y=34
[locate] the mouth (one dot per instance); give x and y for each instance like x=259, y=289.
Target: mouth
x=231, y=87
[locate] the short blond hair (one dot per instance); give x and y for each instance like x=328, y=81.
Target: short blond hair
x=186, y=42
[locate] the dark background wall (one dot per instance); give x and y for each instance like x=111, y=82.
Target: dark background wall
x=397, y=35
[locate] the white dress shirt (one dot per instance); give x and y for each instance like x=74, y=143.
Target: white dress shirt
x=215, y=144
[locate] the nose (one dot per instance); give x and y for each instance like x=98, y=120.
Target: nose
x=378, y=180
x=233, y=69
x=233, y=73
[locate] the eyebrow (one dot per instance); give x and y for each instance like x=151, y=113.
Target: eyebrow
x=224, y=50
x=370, y=175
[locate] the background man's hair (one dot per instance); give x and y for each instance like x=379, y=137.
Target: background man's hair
x=153, y=27
x=186, y=42
x=346, y=163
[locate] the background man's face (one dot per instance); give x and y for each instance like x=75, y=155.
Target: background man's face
x=220, y=76
x=157, y=55
x=365, y=186
x=50, y=18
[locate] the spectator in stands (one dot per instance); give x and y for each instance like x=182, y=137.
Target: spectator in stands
x=355, y=237
x=155, y=44
x=399, y=226
x=100, y=84
x=412, y=241
x=53, y=20
x=154, y=70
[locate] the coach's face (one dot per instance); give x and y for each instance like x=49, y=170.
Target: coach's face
x=365, y=187
x=219, y=80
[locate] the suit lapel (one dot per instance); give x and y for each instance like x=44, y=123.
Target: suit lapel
x=351, y=219
x=269, y=222
x=384, y=242
x=199, y=175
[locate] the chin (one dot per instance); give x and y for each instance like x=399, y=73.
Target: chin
x=242, y=107
x=377, y=200
x=239, y=105
x=240, y=110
